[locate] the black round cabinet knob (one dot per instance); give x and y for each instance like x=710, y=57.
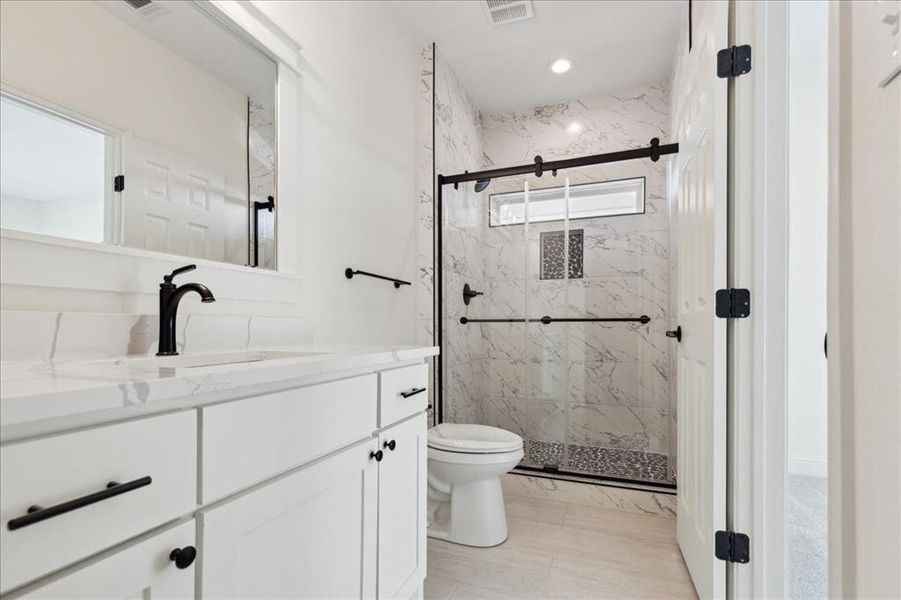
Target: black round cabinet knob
x=183, y=557
x=377, y=455
x=391, y=445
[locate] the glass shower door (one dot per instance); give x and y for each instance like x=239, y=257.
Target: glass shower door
x=547, y=296
x=503, y=335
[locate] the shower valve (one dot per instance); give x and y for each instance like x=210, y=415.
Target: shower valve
x=469, y=294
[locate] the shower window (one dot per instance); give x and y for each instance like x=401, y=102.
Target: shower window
x=588, y=200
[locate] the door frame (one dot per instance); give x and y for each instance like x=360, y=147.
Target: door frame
x=759, y=261
x=759, y=192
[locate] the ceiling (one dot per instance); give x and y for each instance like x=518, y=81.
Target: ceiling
x=613, y=46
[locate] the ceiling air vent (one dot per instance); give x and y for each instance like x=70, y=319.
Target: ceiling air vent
x=501, y=12
x=148, y=8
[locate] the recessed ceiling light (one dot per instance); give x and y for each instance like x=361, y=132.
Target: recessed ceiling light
x=560, y=66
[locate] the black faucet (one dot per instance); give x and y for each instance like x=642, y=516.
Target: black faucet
x=170, y=296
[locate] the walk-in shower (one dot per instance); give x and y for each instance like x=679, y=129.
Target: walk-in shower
x=553, y=308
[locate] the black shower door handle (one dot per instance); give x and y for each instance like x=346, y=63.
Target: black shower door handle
x=675, y=333
x=412, y=392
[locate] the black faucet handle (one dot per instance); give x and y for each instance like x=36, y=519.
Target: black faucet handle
x=168, y=278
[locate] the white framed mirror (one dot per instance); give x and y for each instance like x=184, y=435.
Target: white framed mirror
x=136, y=124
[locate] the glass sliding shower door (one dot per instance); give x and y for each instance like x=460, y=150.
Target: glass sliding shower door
x=561, y=337
x=546, y=351
x=616, y=352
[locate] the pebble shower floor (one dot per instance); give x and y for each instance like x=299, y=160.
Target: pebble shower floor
x=613, y=462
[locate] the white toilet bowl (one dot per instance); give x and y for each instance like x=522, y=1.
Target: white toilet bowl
x=466, y=502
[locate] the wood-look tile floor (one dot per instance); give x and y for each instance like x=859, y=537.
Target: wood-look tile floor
x=558, y=550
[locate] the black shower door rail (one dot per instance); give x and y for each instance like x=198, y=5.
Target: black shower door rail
x=548, y=320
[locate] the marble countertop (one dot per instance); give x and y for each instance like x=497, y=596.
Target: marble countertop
x=44, y=397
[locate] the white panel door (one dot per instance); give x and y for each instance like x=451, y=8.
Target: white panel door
x=402, y=509
x=172, y=202
x=701, y=356
x=311, y=534
x=143, y=571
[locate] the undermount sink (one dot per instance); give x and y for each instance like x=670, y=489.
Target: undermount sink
x=191, y=361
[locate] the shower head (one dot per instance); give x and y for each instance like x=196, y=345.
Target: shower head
x=481, y=184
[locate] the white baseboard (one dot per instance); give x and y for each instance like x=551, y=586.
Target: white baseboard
x=811, y=466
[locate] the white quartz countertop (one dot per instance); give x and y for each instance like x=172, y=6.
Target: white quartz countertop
x=44, y=397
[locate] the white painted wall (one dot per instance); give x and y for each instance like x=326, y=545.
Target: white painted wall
x=808, y=187
x=357, y=169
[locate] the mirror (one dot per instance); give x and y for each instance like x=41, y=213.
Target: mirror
x=137, y=123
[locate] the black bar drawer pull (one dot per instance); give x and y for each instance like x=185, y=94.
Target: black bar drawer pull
x=36, y=513
x=412, y=392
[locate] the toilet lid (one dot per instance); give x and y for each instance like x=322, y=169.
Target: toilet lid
x=475, y=439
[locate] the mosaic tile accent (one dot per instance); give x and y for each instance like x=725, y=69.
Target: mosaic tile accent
x=553, y=256
x=615, y=462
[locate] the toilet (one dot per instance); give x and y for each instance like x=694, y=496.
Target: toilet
x=465, y=464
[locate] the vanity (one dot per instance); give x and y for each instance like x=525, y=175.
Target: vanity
x=293, y=473
x=138, y=137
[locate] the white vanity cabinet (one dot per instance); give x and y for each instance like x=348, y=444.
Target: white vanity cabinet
x=315, y=491
x=70, y=478
x=310, y=534
x=352, y=525
x=402, y=508
x=146, y=569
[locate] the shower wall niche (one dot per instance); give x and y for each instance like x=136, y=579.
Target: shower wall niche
x=588, y=397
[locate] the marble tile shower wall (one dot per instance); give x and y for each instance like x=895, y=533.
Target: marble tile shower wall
x=612, y=380
x=458, y=148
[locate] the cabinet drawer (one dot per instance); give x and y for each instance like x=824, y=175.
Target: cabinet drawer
x=247, y=441
x=144, y=570
x=399, y=395
x=153, y=460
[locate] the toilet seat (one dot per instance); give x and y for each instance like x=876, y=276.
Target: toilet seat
x=473, y=439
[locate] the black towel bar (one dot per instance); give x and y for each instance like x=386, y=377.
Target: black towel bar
x=349, y=273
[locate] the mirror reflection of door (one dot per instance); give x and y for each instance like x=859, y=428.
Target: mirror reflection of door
x=176, y=204
x=159, y=134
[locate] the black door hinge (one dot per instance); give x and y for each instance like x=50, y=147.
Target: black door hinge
x=119, y=183
x=733, y=303
x=732, y=547
x=734, y=61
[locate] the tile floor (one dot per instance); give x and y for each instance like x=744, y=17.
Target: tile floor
x=560, y=550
